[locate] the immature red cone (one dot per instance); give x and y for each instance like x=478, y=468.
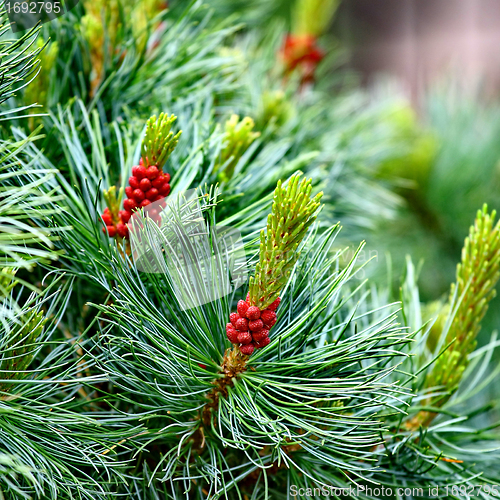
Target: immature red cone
x=250, y=326
x=139, y=172
x=293, y=212
x=232, y=333
x=106, y=217
x=259, y=336
x=253, y=313
x=234, y=317
x=144, y=185
x=124, y=215
x=122, y=229
x=262, y=343
x=140, y=193
x=247, y=349
x=256, y=325
x=242, y=308
x=111, y=230
x=134, y=183
x=152, y=172
x=242, y=325
x=244, y=337
x=274, y=305
x=148, y=183
x=301, y=52
x=129, y=204
x=154, y=214
x=111, y=214
x=268, y=317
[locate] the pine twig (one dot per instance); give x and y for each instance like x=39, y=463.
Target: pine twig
x=477, y=275
x=292, y=213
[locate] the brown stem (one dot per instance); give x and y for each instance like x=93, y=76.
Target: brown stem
x=233, y=364
x=421, y=419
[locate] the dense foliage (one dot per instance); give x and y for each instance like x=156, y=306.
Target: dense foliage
x=180, y=314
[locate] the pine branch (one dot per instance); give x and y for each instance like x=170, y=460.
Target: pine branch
x=477, y=276
x=237, y=138
x=19, y=64
x=21, y=243
x=46, y=424
x=292, y=214
x=20, y=349
x=37, y=91
x=302, y=395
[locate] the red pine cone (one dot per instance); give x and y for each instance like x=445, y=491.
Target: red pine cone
x=111, y=230
x=154, y=214
x=139, y=171
x=259, y=336
x=242, y=325
x=152, y=172
x=251, y=318
x=125, y=215
x=106, y=217
x=133, y=183
x=234, y=317
x=242, y=308
x=122, y=229
x=232, y=334
x=253, y=312
x=244, y=337
x=247, y=349
x=129, y=204
x=268, y=317
x=302, y=52
x=256, y=326
x=165, y=189
x=275, y=304
x=262, y=343
x=152, y=194
x=159, y=181
x=138, y=195
x=146, y=185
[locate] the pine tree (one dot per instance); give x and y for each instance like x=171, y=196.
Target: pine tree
x=181, y=320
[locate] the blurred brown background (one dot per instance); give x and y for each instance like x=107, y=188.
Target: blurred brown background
x=419, y=40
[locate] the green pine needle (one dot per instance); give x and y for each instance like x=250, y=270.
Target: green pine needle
x=18, y=352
